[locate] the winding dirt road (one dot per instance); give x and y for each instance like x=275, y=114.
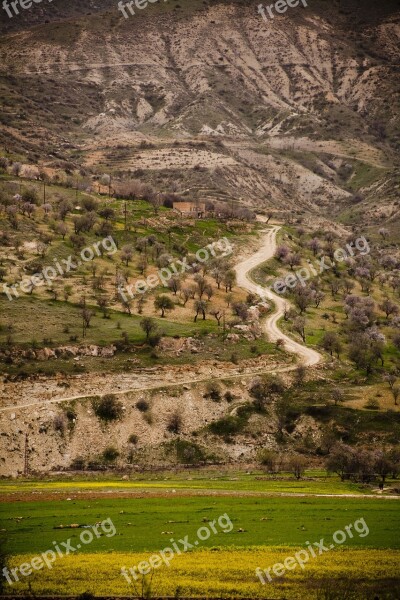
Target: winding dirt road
x=308, y=356
x=134, y=382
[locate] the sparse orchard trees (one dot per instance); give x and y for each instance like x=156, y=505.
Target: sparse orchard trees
x=335, y=286
x=149, y=326
x=64, y=208
x=200, y=306
x=186, y=294
x=174, y=285
x=103, y=303
x=389, y=308
x=229, y=280
x=281, y=252
x=297, y=465
x=201, y=284
x=299, y=325
x=337, y=395
x=87, y=316
x=241, y=310
x=126, y=254
x=390, y=378
x=163, y=303
x=303, y=297
x=293, y=260
x=62, y=229
x=217, y=314
x=315, y=246
x=218, y=275
x=300, y=375
x=364, y=351
x=331, y=343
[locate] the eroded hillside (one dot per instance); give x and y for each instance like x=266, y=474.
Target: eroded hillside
x=297, y=113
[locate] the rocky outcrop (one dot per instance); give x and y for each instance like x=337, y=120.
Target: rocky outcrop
x=43, y=354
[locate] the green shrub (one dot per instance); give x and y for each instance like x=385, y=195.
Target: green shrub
x=228, y=425
x=108, y=408
x=110, y=454
x=268, y=459
x=188, y=452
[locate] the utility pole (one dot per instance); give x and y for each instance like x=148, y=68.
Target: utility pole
x=125, y=214
x=26, y=462
x=44, y=192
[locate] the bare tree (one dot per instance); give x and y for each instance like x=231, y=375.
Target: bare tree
x=337, y=395
x=200, y=307
x=297, y=465
x=201, y=285
x=299, y=325
x=126, y=254
x=217, y=314
x=174, y=285
x=87, y=316
x=395, y=393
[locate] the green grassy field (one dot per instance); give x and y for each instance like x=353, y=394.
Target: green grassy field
x=149, y=513
x=140, y=523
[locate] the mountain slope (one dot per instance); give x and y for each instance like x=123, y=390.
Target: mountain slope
x=296, y=101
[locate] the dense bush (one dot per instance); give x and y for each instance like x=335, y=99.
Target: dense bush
x=108, y=408
x=188, y=452
x=213, y=391
x=142, y=405
x=174, y=423
x=110, y=454
x=228, y=425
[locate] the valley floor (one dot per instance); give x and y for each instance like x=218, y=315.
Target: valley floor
x=258, y=520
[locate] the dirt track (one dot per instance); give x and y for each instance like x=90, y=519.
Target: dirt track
x=133, y=382
x=243, y=272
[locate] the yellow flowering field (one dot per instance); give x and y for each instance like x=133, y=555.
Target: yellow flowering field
x=210, y=572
